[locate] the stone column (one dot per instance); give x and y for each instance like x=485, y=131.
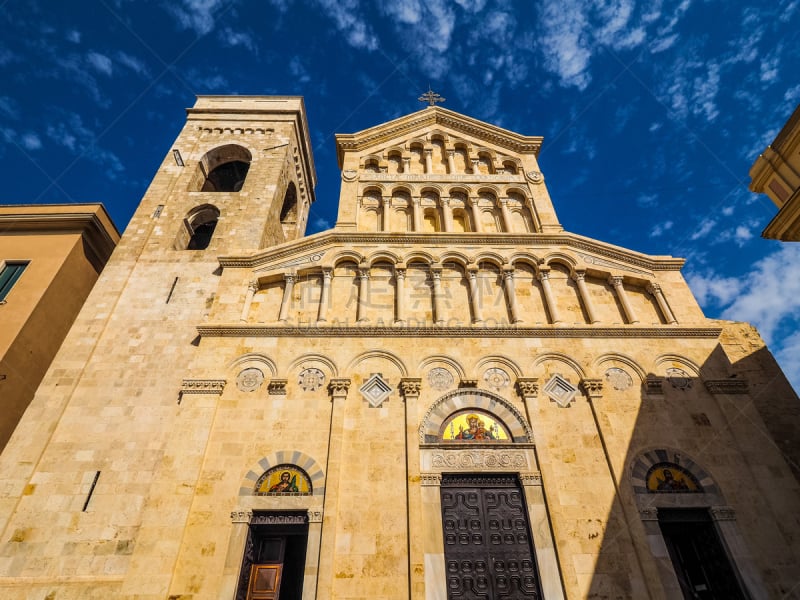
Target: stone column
x=410, y=389
x=580, y=280
x=236, y=544
x=438, y=297
x=616, y=282
x=337, y=388
x=476, y=215
x=428, y=160
x=505, y=213
x=252, y=288
x=451, y=163
x=386, y=211
x=534, y=220
x=511, y=294
x=474, y=294
x=550, y=301
x=287, y=296
x=475, y=168
x=417, y=212
x=406, y=164
x=447, y=214
x=400, y=294
x=363, y=292
x=655, y=290
x=324, y=296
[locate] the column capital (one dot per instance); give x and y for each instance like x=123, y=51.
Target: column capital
x=253, y=285
x=289, y=277
x=578, y=275
x=543, y=274
x=615, y=280
x=327, y=272
x=653, y=289
x=450, y=151
x=527, y=387
x=241, y=516
x=444, y=200
x=338, y=387
x=410, y=386
x=508, y=273
x=592, y=387
x=428, y=151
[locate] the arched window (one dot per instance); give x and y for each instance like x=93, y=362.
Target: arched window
x=198, y=228
x=224, y=169
x=289, y=208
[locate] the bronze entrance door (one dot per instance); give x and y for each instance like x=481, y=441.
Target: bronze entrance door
x=487, y=543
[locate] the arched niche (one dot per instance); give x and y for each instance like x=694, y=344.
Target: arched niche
x=197, y=228
x=223, y=169
x=479, y=400
x=284, y=458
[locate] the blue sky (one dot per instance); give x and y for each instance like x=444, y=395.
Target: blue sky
x=652, y=112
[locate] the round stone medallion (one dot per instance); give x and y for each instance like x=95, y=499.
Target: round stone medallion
x=311, y=379
x=680, y=379
x=496, y=378
x=440, y=378
x=249, y=380
x=619, y=378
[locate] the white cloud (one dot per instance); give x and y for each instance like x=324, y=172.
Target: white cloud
x=705, y=228
x=100, y=62
x=196, y=14
x=8, y=107
x=661, y=228
x=769, y=68
x=705, y=91
x=347, y=18
x=233, y=37
x=298, y=71
x=74, y=36
x=30, y=141
x=714, y=290
x=742, y=234
x=792, y=96
x=134, y=64
x=72, y=134
x=321, y=224
x=565, y=42
x=788, y=355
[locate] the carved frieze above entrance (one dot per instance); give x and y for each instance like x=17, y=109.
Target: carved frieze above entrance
x=479, y=459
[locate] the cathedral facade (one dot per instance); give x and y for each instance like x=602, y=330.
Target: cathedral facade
x=446, y=396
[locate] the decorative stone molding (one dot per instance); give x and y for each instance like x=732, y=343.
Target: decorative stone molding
x=279, y=519
x=376, y=390
x=241, y=516
x=277, y=387
x=496, y=378
x=314, y=516
x=723, y=513
x=560, y=391
x=338, y=387
x=726, y=386
x=302, y=260
x=311, y=379
x=349, y=175
x=593, y=388
x=679, y=379
x=654, y=386
x=619, y=379
x=250, y=379
x=430, y=479
x=410, y=386
x=468, y=383
x=202, y=386
x=481, y=459
x=531, y=478
x=535, y=176
x=527, y=387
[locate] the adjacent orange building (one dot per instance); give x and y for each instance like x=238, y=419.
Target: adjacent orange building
x=50, y=257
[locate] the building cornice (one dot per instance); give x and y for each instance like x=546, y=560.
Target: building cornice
x=478, y=331
x=450, y=240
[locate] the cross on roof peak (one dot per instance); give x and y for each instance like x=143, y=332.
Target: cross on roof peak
x=431, y=97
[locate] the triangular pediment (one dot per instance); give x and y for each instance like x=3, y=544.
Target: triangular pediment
x=410, y=126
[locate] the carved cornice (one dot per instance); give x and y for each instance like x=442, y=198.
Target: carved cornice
x=314, y=516
x=430, y=479
x=241, y=516
x=531, y=478
x=468, y=383
x=328, y=329
x=599, y=251
x=202, y=386
x=654, y=386
x=723, y=513
x=726, y=386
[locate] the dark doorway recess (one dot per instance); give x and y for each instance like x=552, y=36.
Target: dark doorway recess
x=274, y=557
x=487, y=542
x=698, y=555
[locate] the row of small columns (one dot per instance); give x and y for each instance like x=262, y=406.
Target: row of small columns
x=472, y=274
x=447, y=213
x=451, y=164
